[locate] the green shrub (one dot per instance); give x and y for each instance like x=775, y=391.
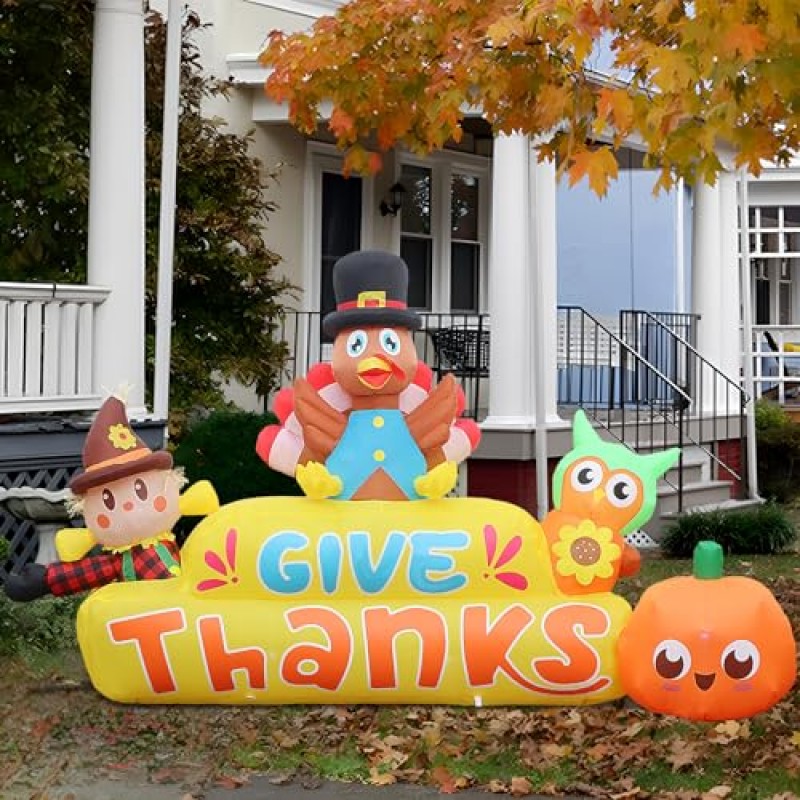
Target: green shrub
x=46, y=625
x=778, y=438
x=221, y=449
x=759, y=530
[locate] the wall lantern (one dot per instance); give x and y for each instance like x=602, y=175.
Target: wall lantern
x=393, y=201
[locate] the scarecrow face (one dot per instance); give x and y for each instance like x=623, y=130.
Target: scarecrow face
x=374, y=361
x=128, y=510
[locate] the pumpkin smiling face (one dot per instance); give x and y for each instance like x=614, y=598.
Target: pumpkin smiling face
x=707, y=647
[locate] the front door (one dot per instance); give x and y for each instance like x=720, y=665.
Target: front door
x=340, y=229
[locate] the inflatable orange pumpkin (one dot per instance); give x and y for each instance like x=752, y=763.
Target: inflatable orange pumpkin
x=706, y=647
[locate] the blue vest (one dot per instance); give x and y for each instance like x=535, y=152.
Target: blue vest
x=372, y=440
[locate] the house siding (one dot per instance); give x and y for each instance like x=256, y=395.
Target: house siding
x=618, y=251
x=510, y=481
x=730, y=453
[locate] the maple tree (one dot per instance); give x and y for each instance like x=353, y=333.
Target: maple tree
x=687, y=79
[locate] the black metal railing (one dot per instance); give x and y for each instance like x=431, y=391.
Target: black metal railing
x=716, y=401
x=664, y=340
x=647, y=381
x=457, y=343
x=639, y=375
x=601, y=373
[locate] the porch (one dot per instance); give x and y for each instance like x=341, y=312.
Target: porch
x=637, y=362
x=53, y=375
x=638, y=375
x=47, y=357
x=638, y=372
x=775, y=354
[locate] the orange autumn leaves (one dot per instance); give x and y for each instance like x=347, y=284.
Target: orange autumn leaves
x=687, y=81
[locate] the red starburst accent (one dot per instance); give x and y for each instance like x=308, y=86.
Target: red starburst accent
x=222, y=565
x=513, y=579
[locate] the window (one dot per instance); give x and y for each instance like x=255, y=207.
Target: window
x=768, y=216
x=416, y=241
x=791, y=216
x=762, y=291
x=340, y=229
x=785, y=292
x=444, y=229
x=465, y=245
x=775, y=240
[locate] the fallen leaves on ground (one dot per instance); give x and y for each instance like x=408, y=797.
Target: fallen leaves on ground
x=603, y=751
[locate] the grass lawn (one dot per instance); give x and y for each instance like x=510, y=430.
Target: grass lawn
x=53, y=724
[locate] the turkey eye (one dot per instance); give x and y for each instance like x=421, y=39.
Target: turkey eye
x=140, y=487
x=108, y=499
x=390, y=341
x=586, y=475
x=741, y=660
x=622, y=491
x=356, y=343
x=672, y=659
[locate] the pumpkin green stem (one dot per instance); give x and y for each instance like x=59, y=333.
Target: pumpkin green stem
x=708, y=561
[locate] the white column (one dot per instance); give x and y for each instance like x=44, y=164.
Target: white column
x=511, y=400
x=707, y=298
x=545, y=290
x=729, y=290
x=715, y=286
x=680, y=246
x=116, y=196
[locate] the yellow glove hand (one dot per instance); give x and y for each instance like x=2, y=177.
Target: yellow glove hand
x=74, y=543
x=438, y=482
x=316, y=481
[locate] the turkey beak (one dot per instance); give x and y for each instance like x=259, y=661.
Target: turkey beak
x=374, y=371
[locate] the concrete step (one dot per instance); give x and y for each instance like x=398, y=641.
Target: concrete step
x=696, y=469
x=726, y=505
x=660, y=522
x=648, y=538
x=699, y=493
x=696, y=495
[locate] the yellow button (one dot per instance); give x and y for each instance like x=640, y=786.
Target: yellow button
x=379, y=455
x=378, y=422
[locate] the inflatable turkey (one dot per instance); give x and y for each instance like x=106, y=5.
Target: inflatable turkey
x=370, y=425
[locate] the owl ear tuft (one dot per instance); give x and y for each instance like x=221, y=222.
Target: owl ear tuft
x=663, y=461
x=583, y=434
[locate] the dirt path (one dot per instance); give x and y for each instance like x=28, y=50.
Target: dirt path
x=137, y=787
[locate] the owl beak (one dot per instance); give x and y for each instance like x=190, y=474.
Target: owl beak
x=597, y=495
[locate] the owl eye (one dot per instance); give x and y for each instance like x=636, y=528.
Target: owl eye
x=356, y=343
x=390, y=341
x=622, y=491
x=741, y=660
x=586, y=475
x=672, y=659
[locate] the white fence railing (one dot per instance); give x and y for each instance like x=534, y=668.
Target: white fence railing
x=47, y=344
x=775, y=350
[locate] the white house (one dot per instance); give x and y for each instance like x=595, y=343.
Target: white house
x=629, y=306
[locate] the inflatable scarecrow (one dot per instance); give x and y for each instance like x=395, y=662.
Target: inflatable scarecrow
x=130, y=498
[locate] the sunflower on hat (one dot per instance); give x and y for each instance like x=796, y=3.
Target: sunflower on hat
x=121, y=437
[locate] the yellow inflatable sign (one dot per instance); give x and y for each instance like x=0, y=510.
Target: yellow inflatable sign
x=293, y=600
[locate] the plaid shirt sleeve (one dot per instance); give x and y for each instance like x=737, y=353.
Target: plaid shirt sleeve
x=71, y=577
x=148, y=563
x=91, y=572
